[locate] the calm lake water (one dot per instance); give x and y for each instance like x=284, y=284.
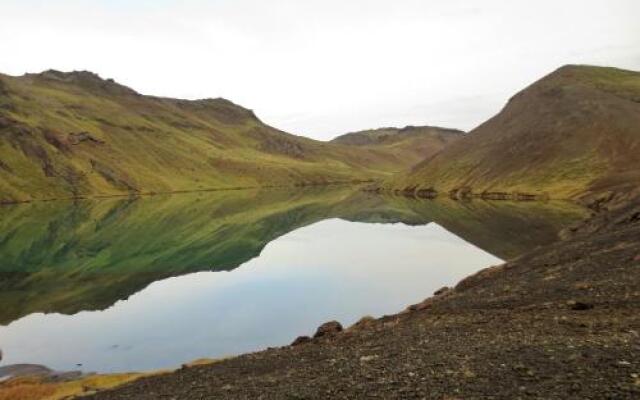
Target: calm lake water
x=122, y=285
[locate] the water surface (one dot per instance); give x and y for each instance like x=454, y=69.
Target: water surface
x=118, y=285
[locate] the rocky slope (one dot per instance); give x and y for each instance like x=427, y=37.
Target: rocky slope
x=573, y=134
x=560, y=322
x=75, y=134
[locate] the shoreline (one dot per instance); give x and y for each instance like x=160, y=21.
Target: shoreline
x=134, y=195
x=462, y=194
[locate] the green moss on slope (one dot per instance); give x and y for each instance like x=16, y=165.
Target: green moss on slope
x=74, y=134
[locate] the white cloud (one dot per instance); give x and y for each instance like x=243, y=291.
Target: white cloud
x=320, y=68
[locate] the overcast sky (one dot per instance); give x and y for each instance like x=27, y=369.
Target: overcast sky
x=324, y=67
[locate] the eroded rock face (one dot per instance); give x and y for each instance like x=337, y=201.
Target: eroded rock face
x=281, y=144
x=77, y=138
x=85, y=79
x=328, y=328
x=53, y=139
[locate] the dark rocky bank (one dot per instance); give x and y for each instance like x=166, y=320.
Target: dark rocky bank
x=560, y=322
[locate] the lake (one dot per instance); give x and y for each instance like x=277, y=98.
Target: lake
x=139, y=284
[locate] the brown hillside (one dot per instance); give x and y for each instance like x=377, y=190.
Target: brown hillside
x=573, y=134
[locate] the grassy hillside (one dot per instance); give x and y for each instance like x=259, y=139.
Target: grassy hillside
x=412, y=144
x=573, y=134
x=75, y=134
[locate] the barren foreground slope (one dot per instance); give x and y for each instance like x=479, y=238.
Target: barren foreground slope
x=560, y=322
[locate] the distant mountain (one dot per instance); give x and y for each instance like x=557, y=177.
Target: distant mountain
x=75, y=134
x=393, y=135
x=412, y=143
x=573, y=134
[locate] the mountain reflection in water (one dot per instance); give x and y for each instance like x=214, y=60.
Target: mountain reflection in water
x=68, y=257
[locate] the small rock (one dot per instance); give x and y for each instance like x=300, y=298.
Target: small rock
x=578, y=305
x=637, y=258
x=442, y=290
x=467, y=373
x=328, y=328
x=624, y=363
x=301, y=340
x=582, y=286
x=368, y=358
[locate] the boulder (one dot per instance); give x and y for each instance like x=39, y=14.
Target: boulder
x=579, y=306
x=442, y=290
x=328, y=328
x=301, y=340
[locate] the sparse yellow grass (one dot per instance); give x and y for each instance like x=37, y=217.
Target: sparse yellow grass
x=203, y=361
x=26, y=389
x=36, y=388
